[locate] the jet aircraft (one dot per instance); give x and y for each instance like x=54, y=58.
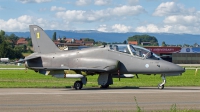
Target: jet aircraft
x=110, y=61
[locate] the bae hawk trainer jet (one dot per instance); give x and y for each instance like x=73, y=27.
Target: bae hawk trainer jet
x=111, y=61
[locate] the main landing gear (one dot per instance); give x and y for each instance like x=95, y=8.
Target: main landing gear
x=162, y=85
x=105, y=80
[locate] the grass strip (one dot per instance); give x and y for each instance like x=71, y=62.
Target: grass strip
x=30, y=79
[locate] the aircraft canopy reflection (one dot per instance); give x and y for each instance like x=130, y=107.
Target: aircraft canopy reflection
x=134, y=50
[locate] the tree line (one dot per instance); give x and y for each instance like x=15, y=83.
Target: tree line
x=139, y=38
x=144, y=38
x=8, y=47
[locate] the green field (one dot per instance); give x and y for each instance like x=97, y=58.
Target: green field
x=30, y=79
x=11, y=66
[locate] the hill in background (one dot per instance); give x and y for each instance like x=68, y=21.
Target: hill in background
x=169, y=38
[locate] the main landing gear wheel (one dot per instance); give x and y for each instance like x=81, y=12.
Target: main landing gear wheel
x=104, y=86
x=78, y=85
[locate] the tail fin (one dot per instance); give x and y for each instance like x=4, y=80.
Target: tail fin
x=41, y=42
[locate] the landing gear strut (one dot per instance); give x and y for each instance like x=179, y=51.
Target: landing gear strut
x=162, y=85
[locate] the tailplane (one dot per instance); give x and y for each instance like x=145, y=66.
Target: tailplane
x=41, y=42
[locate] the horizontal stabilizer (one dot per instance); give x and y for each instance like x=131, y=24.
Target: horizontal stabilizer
x=31, y=57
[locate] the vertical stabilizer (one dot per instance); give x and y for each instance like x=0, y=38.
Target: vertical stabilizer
x=41, y=42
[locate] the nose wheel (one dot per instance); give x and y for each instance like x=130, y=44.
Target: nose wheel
x=162, y=85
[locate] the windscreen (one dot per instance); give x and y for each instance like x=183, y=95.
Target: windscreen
x=143, y=52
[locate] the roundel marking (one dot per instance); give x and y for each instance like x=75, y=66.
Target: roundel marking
x=147, y=65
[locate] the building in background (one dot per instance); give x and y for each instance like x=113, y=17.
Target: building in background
x=187, y=55
x=133, y=42
x=164, y=52
x=22, y=41
x=178, y=55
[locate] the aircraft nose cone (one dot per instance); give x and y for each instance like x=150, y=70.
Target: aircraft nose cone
x=173, y=68
x=180, y=69
x=177, y=68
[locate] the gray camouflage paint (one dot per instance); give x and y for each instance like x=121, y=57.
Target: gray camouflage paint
x=100, y=59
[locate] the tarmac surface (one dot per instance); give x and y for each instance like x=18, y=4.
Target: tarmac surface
x=95, y=99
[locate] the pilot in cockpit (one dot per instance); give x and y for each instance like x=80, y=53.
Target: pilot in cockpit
x=126, y=51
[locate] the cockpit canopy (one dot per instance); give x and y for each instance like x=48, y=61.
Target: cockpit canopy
x=134, y=51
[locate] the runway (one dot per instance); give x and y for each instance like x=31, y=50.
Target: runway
x=95, y=99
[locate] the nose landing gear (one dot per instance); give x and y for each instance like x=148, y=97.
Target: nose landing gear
x=162, y=85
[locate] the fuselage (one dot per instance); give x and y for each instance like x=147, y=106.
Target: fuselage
x=104, y=58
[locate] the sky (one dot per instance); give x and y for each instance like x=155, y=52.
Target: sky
x=152, y=16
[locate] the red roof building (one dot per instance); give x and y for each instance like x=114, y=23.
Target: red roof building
x=56, y=42
x=133, y=42
x=79, y=41
x=88, y=43
x=21, y=41
x=69, y=40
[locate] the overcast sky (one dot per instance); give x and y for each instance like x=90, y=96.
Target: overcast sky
x=169, y=16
